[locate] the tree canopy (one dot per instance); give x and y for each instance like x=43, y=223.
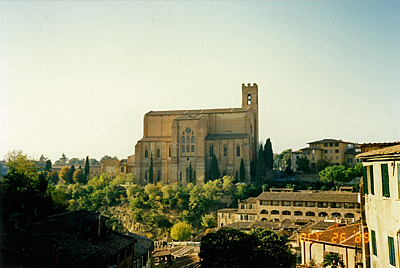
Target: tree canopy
x=181, y=231
x=340, y=173
x=233, y=248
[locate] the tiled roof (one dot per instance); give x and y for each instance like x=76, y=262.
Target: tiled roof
x=231, y=210
x=142, y=245
x=239, y=225
x=186, y=261
x=327, y=140
x=393, y=150
x=322, y=196
x=249, y=200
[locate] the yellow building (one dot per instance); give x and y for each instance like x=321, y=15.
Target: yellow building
x=337, y=152
x=176, y=140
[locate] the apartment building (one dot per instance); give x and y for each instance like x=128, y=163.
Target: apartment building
x=337, y=152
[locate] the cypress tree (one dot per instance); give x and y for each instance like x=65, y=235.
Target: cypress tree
x=190, y=174
x=268, y=155
x=87, y=167
x=241, y=172
x=48, y=165
x=214, y=171
x=150, y=170
x=260, y=166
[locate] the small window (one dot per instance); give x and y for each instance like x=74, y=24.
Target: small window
x=169, y=151
x=336, y=151
x=275, y=212
x=225, y=150
x=158, y=153
x=392, y=258
x=336, y=144
x=122, y=169
x=183, y=139
x=336, y=215
x=349, y=215
x=325, y=145
x=264, y=211
x=192, y=149
x=211, y=150
x=310, y=214
x=146, y=153
x=298, y=213
x=248, y=99
x=286, y=212
x=322, y=214
x=238, y=150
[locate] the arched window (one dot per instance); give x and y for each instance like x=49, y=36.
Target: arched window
x=349, y=215
x=322, y=214
x=238, y=150
x=187, y=148
x=192, y=149
x=264, y=211
x=225, y=150
x=275, y=212
x=286, y=212
x=298, y=213
x=146, y=153
x=249, y=99
x=310, y=214
x=336, y=215
x=264, y=219
x=193, y=139
x=183, y=148
x=183, y=139
x=187, y=139
x=158, y=153
x=122, y=169
x=211, y=150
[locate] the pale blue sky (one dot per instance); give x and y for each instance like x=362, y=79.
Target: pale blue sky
x=77, y=77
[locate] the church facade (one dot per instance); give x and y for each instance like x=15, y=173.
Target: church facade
x=183, y=140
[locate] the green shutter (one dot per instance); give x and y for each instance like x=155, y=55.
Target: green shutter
x=371, y=175
x=392, y=258
x=385, y=180
x=373, y=243
x=365, y=180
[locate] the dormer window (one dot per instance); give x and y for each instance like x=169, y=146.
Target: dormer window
x=248, y=99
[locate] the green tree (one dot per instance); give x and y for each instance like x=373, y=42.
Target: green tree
x=66, y=175
x=79, y=177
x=333, y=260
x=335, y=174
x=268, y=155
x=241, y=171
x=214, y=170
x=284, y=159
x=233, y=248
x=260, y=166
x=75, y=161
x=208, y=221
x=303, y=164
x=181, y=231
x=107, y=157
x=53, y=177
x=87, y=167
x=150, y=170
x=47, y=165
x=322, y=164
x=62, y=161
x=93, y=161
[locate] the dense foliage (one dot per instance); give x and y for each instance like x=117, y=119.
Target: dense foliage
x=232, y=248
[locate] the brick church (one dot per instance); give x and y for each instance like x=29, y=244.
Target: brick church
x=175, y=140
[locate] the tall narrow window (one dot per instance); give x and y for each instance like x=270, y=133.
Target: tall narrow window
x=158, y=175
x=211, y=150
x=187, y=139
x=371, y=179
x=192, y=139
x=183, y=139
x=146, y=153
x=187, y=148
x=365, y=179
x=192, y=149
x=169, y=151
x=392, y=258
x=225, y=150
x=385, y=180
x=158, y=153
x=373, y=243
x=183, y=148
x=238, y=150
x=248, y=99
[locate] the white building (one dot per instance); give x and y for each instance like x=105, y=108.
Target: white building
x=382, y=206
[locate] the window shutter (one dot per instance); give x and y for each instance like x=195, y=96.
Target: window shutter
x=371, y=175
x=385, y=180
x=365, y=180
x=392, y=258
x=373, y=240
